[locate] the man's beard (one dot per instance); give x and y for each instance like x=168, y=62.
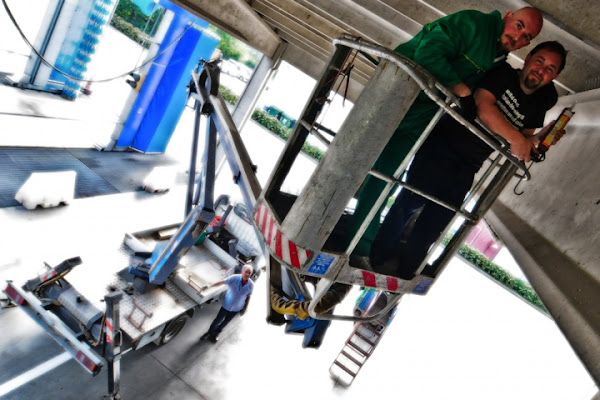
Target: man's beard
x=532, y=83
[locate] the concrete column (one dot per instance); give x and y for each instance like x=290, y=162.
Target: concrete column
x=385, y=100
x=247, y=101
x=569, y=293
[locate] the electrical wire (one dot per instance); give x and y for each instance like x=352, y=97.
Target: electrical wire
x=67, y=75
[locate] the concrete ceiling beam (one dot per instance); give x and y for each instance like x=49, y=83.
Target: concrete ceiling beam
x=237, y=18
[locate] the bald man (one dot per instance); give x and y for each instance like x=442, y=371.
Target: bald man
x=457, y=50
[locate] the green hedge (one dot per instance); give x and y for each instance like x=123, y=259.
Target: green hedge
x=126, y=28
x=516, y=285
x=272, y=124
x=228, y=96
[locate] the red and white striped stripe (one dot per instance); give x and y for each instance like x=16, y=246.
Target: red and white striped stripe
x=374, y=280
x=12, y=293
x=110, y=333
x=87, y=362
x=48, y=275
x=285, y=249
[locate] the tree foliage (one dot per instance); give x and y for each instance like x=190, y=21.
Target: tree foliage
x=133, y=14
x=229, y=46
x=234, y=49
x=515, y=285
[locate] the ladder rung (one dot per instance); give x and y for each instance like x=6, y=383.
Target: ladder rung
x=363, y=337
x=357, y=348
x=372, y=328
x=351, y=358
x=346, y=369
x=356, y=355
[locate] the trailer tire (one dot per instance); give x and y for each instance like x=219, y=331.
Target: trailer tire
x=172, y=329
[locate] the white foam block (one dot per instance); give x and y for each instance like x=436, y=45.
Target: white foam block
x=160, y=179
x=47, y=189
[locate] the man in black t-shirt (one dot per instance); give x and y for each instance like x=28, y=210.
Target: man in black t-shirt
x=510, y=102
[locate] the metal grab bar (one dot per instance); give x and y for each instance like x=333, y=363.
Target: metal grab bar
x=322, y=288
x=465, y=214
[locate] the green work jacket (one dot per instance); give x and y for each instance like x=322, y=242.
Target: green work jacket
x=458, y=47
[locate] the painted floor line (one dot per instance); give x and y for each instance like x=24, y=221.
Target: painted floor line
x=33, y=373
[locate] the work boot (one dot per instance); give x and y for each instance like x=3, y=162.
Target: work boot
x=334, y=296
x=361, y=262
x=214, y=338
x=205, y=336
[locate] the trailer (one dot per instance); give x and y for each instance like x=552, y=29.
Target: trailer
x=160, y=279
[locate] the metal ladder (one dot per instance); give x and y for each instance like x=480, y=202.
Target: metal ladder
x=363, y=340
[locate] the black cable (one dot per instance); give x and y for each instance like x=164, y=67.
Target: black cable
x=90, y=80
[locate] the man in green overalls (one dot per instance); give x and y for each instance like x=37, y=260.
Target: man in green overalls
x=456, y=50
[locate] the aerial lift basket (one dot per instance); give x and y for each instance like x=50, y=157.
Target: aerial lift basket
x=297, y=229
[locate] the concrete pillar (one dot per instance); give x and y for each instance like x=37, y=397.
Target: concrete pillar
x=569, y=293
x=247, y=101
x=374, y=118
x=262, y=73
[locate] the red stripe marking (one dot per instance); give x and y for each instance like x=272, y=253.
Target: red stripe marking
x=307, y=253
x=270, y=232
x=278, y=244
x=89, y=364
x=369, y=279
x=48, y=275
x=264, y=222
x=16, y=297
x=109, y=331
x=294, y=259
x=392, y=283
x=257, y=216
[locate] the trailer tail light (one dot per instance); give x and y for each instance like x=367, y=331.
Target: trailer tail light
x=12, y=293
x=88, y=363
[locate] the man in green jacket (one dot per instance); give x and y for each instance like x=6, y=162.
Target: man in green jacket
x=456, y=50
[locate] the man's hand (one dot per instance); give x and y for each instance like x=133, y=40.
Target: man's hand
x=559, y=134
x=203, y=289
x=522, y=148
x=538, y=137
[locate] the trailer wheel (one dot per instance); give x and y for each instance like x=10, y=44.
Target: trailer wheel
x=173, y=328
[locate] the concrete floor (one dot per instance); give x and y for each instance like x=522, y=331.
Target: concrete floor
x=467, y=339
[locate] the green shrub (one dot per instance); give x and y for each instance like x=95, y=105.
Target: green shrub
x=272, y=124
x=517, y=286
x=126, y=28
x=228, y=96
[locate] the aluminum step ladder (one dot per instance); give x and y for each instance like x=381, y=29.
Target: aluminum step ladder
x=364, y=338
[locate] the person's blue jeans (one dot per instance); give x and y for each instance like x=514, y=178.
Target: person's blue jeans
x=414, y=223
x=221, y=320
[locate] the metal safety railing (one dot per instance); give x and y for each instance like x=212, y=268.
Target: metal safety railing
x=296, y=229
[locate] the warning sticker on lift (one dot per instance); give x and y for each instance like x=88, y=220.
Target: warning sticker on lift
x=321, y=264
x=423, y=285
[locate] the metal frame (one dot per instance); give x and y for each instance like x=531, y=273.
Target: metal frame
x=434, y=90
x=57, y=329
